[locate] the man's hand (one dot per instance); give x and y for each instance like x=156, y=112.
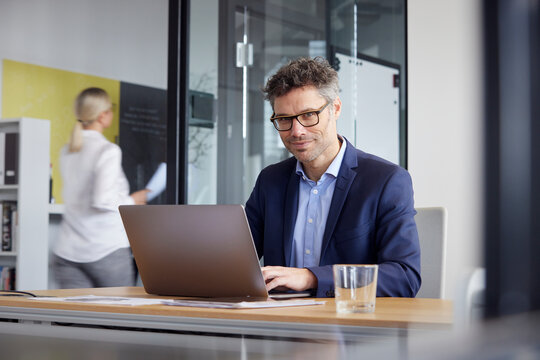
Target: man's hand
x=287, y=278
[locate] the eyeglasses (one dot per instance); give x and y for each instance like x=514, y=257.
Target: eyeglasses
x=306, y=119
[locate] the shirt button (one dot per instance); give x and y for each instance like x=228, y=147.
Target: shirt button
x=308, y=251
x=310, y=220
x=315, y=191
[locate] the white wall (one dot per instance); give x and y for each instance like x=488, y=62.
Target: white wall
x=104, y=38
x=445, y=122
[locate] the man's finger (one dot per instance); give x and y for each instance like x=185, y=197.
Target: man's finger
x=270, y=273
x=278, y=281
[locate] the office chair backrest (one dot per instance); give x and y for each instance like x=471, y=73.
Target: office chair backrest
x=431, y=224
x=469, y=303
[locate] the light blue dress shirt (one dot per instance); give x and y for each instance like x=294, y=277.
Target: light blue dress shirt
x=313, y=204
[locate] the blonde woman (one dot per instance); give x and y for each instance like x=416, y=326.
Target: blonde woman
x=92, y=249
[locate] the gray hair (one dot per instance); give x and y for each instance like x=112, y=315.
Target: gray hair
x=303, y=72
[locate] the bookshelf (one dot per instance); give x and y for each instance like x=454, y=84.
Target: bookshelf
x=30, y=252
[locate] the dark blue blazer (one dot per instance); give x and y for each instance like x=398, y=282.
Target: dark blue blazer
x=371, y=221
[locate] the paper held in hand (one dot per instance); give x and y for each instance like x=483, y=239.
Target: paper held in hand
x=158, y=182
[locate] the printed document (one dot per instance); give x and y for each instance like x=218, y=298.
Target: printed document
x=206, y=303
x=242, y=304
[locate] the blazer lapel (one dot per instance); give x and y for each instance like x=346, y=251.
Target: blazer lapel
x=289, y=216
x=343, y=183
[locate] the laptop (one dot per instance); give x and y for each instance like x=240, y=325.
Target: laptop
x=196, y=251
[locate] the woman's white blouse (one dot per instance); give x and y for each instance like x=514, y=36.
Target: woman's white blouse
x=94, y=185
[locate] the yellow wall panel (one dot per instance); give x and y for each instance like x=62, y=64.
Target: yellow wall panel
x=46, y=93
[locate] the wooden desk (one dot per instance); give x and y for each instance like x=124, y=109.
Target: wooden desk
x=392, y=317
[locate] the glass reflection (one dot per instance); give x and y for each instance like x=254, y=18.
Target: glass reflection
x=236, y=45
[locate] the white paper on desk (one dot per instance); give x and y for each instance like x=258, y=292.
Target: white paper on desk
x=158, y=182
x=241, y=304
x=105, y=300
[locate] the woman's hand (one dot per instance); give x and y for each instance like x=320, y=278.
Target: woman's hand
x=140, y=196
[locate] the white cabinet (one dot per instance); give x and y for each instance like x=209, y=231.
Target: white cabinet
x=31, y=193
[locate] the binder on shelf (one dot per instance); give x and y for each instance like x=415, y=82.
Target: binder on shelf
x=8, y=224
x=14, y=227
x=11, y=158
x=7, y=278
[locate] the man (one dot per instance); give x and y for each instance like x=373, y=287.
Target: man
x=330, y=203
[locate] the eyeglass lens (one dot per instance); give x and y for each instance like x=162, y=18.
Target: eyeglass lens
x=306, y=120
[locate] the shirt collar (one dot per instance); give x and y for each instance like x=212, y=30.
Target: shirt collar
x=333, y=169
x=92, y=133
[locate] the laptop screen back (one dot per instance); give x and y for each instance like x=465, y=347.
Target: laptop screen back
x=194, y=250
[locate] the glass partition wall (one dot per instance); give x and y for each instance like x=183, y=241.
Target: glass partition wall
x=51, y=50
x=236, y=45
